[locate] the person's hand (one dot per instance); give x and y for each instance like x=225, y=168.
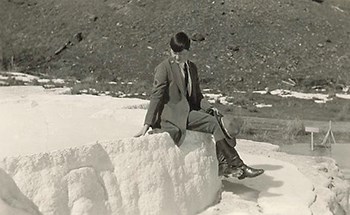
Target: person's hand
x=213, y=111
x=143, y=131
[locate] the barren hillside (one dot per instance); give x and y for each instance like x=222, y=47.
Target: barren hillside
x=237, y=44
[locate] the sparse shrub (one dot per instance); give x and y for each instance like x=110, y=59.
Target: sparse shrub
x=294, y=128
x=345, y=111
x=14, y=82
x=291, y=103
x=142, y=86
x=262, y=137
x=8, y=64
x=247, y=128
x=242, y=101
x=35, y=82
x=253, y=109
x=228, y=108
x=230, y=99
x=333, y=109
x=104, y=75
x=78, y=87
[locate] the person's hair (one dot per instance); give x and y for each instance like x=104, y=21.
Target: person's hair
x=179, y=42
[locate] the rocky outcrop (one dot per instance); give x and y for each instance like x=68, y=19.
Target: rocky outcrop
x=147, y=175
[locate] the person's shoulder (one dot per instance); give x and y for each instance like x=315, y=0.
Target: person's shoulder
x=164, y=64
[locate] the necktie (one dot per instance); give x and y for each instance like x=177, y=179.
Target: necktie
x=186, y=79
x=186, y=75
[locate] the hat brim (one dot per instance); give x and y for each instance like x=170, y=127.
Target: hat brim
x=230, y=126
x=232, y=142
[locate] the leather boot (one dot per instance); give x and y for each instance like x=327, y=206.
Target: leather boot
x=230, y=163
x=225, y=151
x=225, y=169
x=249, y=172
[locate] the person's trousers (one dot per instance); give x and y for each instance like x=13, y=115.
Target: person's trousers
x=203, y=122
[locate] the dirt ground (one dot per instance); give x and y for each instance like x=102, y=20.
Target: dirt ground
x=237, y=45
x=245, y=45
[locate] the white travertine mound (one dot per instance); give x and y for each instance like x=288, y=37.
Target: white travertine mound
x=147, y=175
x=330, y=189
x=12, y=201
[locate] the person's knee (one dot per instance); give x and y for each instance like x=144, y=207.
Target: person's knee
x=213, y=123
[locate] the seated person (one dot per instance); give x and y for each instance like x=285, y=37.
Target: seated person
x=177, y=104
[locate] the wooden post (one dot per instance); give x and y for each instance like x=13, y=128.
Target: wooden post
x=329, y=133
x=312, y=130
x=332, y=135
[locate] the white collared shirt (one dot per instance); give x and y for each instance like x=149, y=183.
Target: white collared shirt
x=189, y=84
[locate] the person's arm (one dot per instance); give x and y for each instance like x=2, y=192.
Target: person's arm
x=143, y=131
x=160, y=84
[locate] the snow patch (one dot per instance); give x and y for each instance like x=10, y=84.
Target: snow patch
x=343, y=96
x=23, y=77
x=263, y=105
x=213, y=98
x=3, y=77
x=58, y=81
x=316, y=96
x=44, y=80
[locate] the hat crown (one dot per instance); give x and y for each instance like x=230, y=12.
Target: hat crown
x=232, y=125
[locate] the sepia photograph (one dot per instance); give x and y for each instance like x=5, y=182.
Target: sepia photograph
x=187, y=107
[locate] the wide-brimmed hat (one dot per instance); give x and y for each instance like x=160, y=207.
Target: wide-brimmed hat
x=230, y=125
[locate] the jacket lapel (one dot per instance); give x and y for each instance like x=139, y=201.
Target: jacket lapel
x=175, y=69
